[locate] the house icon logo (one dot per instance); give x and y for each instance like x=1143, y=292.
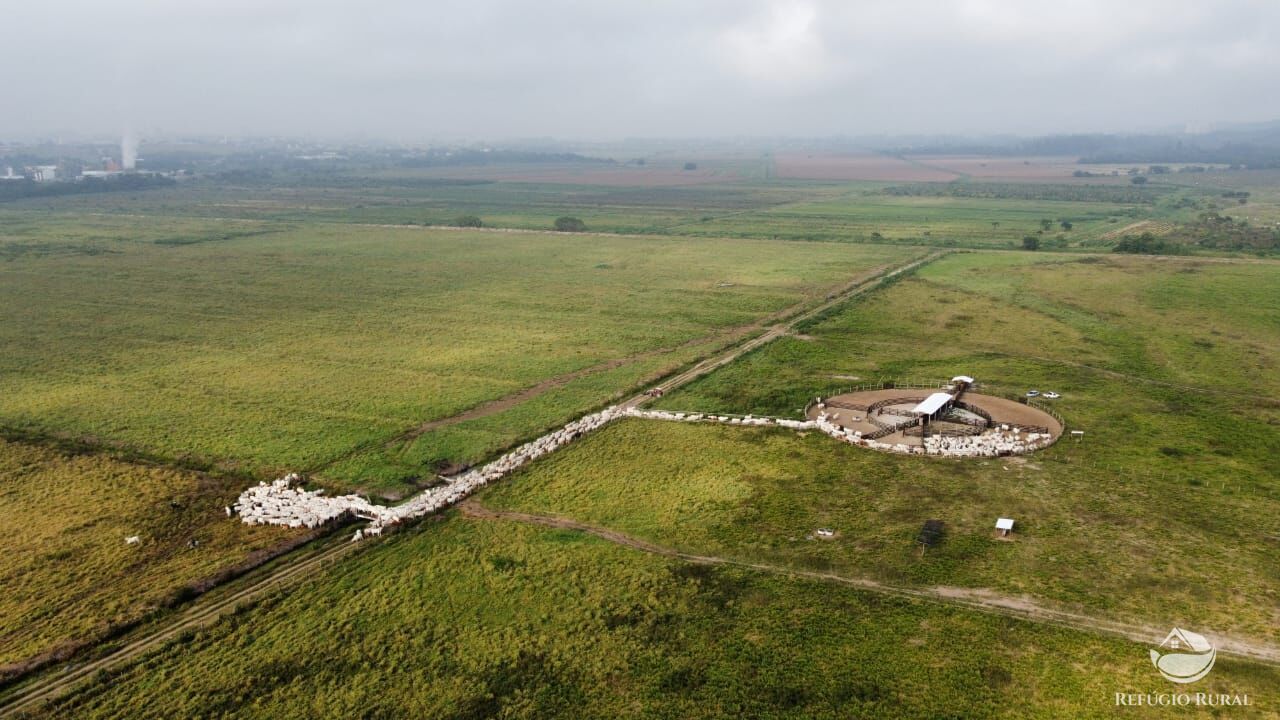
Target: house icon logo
x=1184, y=656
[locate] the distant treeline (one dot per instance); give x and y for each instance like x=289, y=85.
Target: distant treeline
x=1250, y=157
x=1251, y=147
x=1127, y=194
x=20, y=189
x=448, y=158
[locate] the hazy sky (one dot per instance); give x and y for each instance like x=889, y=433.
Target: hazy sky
x=420, y=70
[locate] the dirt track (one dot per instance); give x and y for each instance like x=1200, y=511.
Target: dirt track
x=727, y=336
x=778, y=323
x=974, y=599
x=207, y=609
x=49, y=685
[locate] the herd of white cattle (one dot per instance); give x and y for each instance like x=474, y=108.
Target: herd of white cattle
x=280, y=503
x=998, y=441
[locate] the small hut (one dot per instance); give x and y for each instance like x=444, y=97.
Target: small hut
x=930, y=534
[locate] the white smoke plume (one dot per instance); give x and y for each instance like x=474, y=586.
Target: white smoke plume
x=129, y=151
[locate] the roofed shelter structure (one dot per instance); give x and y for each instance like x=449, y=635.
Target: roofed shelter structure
x=931, y=407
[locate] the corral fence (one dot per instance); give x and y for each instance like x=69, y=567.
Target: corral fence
x=881, y=384
x=967, y=407
x=1053, y=414
x=925, y=384
x=931, y=430
x=886, y=429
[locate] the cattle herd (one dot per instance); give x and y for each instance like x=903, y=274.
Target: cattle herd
x=282, y=503
x=279, y=503
x=995, y=442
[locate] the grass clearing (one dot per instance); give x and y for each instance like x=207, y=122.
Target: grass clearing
x=287, y=350
x=1166, y=511
x=470, y=619
x=67, y=571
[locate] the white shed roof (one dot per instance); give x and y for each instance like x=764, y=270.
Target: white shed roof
x=932, y=404
x=963, y=379
x=1004, y=523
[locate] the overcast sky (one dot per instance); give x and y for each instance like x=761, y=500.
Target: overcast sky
x=417, y=70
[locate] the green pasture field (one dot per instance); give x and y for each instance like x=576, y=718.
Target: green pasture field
x=67, y=573
x=288, y=346
x=423, y=200
x=957, y=214
x=396, y=467
x=964, y=222
x=1205, y=323
x=1165, y=511
x=477, y=619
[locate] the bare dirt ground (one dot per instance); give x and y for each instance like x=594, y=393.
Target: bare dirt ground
x=981, y=167
x=867, y=166
x=980, y=599
x=582, y=174
x=1002, y=410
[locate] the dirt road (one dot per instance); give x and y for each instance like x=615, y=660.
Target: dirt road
x=207, y=609
x=199, y=614
x=973, y=599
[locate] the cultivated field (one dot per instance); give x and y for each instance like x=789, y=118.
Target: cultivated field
x=68, y=574
x=484, y=618
x=868, y=166
x=871, y=216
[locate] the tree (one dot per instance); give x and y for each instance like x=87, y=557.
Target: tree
x=470, y=221
x=691, y=166
x=569, y=224
x=1031, y=242
x=1066, y=225
x=1138, y=180
x=1046, y=224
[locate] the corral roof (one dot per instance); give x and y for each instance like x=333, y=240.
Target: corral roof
x=932, y=404
x=963, y=379
x=1004, y=523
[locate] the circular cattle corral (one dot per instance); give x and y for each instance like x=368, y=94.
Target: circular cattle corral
x=972, y=424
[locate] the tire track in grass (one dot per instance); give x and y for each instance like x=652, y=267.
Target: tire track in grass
x=208, y=609
x=50, y=685
x=770, y=327
x=969, y=598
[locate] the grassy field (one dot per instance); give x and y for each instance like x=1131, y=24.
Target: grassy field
x=963, y=222
x=1165, y=511
x=729, y=198
x=256, y=328
x=472, y=619
x=286, y=350
x=1190, y=322
x=68, y=573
